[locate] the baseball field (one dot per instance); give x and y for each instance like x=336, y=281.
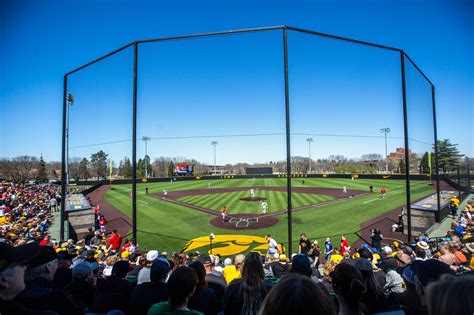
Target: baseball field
x=184, y=213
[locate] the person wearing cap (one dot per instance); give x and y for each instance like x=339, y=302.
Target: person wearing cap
x=144, y=273
x=215, y=280
x=374, y=297
x=40, y=292
x=13, y=261
x=114, y=292
x=82, y=286
x=233, y=271
x=281, y=267
x=429, y=271
x=155, y=291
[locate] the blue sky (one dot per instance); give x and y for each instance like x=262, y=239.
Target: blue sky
x=230, y=89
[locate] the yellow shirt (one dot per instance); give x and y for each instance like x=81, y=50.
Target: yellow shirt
x=336, y=258
x=231, y=273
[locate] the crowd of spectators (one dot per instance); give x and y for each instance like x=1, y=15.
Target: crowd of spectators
x=102, y=273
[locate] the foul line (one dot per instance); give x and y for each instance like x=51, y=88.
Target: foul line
x=369, y=201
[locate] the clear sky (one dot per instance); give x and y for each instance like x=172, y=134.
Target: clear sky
x=231, y=89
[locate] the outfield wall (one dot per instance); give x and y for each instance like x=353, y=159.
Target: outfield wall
x=302, y=176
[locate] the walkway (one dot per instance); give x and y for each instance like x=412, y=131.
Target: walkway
x=440, y=229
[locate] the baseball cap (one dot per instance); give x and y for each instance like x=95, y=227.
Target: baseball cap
x=19, y=255
x=152, y=255
x=283, y=258
x=363, y=264
x=409, y=272
x=83, y=268
x=227, y=261
x=205, y=259
x=301, y=264
x=45, y=255
x=159, y=269
x=121, y=268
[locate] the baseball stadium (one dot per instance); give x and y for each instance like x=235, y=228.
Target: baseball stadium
x=261, y=157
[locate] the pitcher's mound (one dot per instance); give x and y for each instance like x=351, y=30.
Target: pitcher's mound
x=253, y=198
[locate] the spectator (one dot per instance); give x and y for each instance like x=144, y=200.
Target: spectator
x=280, y=268
x=204, y=299
x=344, y=245
x=144, y=273
x=393, y=280
x=115, y=241
x=90, y=234
x=304, y=245
x=328, y=248
x=12, y=272
x=377, y=238
x=446, y=256
x=215, y=280
x=96, y=239
x=314, y=253
x=232, y=272
x=244, y=296
x=114, y=292
x=451, y=295
x=40, y=293
x=374, y=297
x=296, y=294
x=349, y=288
x=181, y=286
x=82, y=286
x=428, y=272
x=149, y=293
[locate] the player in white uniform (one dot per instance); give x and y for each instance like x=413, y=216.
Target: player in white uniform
x=344, y=189
x=252, y=192
x=165, y=193
x=264, y=207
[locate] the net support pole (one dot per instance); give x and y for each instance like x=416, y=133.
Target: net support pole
x=407, y=155
x=288, y=152
x=435, y=129
x=134, y=142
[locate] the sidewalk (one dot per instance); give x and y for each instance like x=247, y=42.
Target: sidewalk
x=440, y=229
x=55, y=228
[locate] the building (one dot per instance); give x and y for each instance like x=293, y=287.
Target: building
x=398, y=154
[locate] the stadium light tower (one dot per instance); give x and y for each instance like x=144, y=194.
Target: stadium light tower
x=146, y=139
x=385, y=131
x=214, y=143
x=309, y=144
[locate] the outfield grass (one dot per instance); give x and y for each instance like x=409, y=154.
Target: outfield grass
x=276, y=200
x=167, y=226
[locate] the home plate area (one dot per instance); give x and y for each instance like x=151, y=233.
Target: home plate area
x=244, y=221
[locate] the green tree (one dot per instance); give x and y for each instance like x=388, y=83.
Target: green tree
x=140, y=168
x=170, y=169
x=83, y=170
x=424, y=164
x=402, y=166
x=41, y=176
x=99, y=164
x=448, y=155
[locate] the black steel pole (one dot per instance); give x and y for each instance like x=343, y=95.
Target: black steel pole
x=438, y=193
x=134, y=142
x=468, y=179
x=407, y=155
x=288, y=153
x=459, y=182
x=63, y=162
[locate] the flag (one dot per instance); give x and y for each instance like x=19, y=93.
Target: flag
x=429, y=161
x=110, y=174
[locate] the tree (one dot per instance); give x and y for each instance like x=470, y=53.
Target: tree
x=448, y=155
x=83, y=170
x=41, y=176
x=424, y=164
x=74, y=168
x=371, y=157
x=402, y=167
x=99, y=164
